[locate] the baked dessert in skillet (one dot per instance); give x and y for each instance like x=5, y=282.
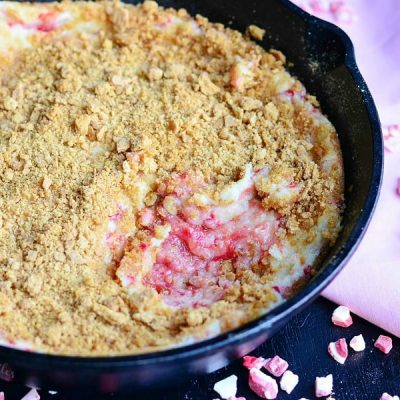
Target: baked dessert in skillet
x=163, y=178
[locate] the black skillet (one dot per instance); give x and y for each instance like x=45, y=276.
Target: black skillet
x=323, y=59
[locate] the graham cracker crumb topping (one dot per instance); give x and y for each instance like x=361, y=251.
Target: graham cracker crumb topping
x=93, y=128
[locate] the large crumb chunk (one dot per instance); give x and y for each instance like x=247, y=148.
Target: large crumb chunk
x=256, y=32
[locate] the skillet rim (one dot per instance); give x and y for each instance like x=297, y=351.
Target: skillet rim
x=278, y=315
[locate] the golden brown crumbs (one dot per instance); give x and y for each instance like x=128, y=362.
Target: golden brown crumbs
x=256, y=32
x=76, y=110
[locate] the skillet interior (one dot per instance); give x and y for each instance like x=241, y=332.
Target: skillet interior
x=323, y=59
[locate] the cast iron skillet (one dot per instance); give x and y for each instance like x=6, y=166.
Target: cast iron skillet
x=323, y=59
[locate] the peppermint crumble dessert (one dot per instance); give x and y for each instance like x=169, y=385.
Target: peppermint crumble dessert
x=163, y=178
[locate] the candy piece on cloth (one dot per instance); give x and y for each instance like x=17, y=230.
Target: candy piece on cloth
x=357, y=343
x=384, y=344
x=338, y=350
x=386, y=396
x=398, y=187
x=289, y=381
x=341, y=317
x=276, y=366
x=262, y=384
x=31, y=395
x=323, y=385
x=227, y=387
x=254, y=362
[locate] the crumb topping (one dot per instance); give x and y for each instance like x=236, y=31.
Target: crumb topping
x=90, y=121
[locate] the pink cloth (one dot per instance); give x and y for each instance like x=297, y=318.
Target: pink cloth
x=370, y=283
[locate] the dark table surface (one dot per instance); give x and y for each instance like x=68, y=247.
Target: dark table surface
x=303, y=343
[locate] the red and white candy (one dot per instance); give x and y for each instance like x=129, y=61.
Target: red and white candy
x=266, y=387
x=276, y=366
x=227, y=387
x=289, y=381
x=341, y=317
x=262, y=384
x=357, y=343
x=384, y=344
x=338, y=350
x=386, y=396
x=253, y=362
x=31, y=395
x=323, y=385
x=391, y=136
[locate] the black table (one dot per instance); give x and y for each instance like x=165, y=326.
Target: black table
x=303, y=343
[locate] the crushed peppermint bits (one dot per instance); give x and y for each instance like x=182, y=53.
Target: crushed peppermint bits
x=384, y=344
x=357, y=343
x=266, y=386
x=338, y=350
x=289, y=381
x=341, y=317
x=276, y=366
x=323, y=385
x=263, y=385
x=227, y=387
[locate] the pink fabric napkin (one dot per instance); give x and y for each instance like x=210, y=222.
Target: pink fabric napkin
x=370, y=283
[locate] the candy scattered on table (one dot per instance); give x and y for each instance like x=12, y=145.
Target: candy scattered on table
x=384, y=344
x=262, y=384
x=227, y=387
x=323, y=385
x=338, y=350
x=266, y=387
x=289, y=381
x=276, y=366
x=341, y=317
x=357, y=343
